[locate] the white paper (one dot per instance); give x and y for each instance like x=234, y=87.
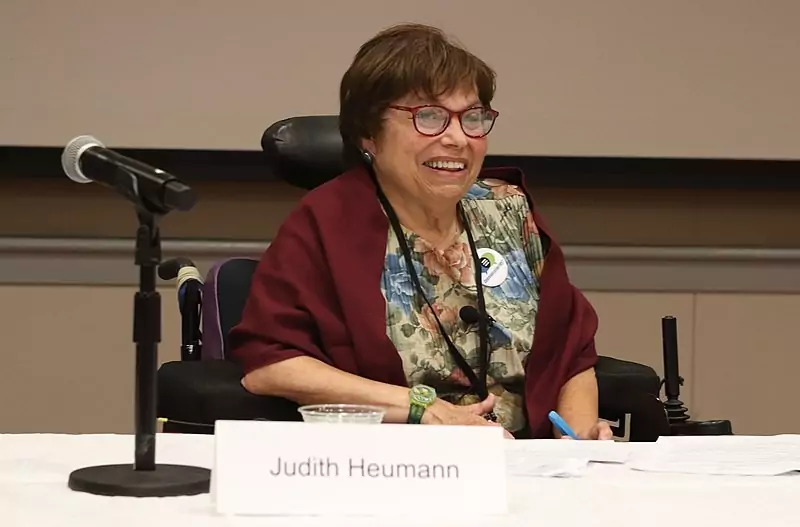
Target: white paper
x=721, y=455
x=520, y=464
x=560, y=457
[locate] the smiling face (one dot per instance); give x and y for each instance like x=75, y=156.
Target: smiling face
x=434, y=170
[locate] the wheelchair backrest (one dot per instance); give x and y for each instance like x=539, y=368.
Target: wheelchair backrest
x=225, y=293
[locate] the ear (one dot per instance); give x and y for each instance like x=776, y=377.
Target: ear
x=368, y=145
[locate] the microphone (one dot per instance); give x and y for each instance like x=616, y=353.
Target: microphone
x=471, y=315
x=190, y=302
x=498, y=335
x=85, y=159
x=184, y=270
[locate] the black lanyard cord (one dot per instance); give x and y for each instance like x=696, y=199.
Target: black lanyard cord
x=479, y=385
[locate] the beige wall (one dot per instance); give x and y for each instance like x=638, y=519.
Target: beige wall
x=738, y=352
x=710, y=78
x=253, y=211
x=66, y=292
x=68, y=357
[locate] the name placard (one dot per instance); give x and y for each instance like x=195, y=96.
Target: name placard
x=296, y=468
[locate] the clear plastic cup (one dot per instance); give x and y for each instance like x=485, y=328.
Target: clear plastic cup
x=342, y=413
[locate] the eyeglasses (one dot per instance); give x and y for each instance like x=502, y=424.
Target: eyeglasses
x=432, y=120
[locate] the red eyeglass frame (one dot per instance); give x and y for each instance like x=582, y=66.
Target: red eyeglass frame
x=414, y=109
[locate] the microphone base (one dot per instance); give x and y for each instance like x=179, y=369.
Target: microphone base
x=124, y=480
x=719, y=427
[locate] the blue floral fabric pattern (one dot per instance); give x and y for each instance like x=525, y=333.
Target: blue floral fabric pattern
x=500, y=219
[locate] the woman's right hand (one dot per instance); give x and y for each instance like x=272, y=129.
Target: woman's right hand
x=444, y=413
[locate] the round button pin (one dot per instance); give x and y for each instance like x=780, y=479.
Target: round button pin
x=494, y=269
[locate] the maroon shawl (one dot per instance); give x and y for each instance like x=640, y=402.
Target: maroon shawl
x=316, y=293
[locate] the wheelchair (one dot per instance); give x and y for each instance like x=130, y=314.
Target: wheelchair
x=205, y=385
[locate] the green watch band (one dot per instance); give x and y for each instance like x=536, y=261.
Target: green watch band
x=421, y=398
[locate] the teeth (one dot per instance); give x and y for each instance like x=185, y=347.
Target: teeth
x=445, y=165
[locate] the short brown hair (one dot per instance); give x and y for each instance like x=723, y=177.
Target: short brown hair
x=398, y=61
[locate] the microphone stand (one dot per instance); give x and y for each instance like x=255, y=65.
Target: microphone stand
x=144, y=478
x=680, y=423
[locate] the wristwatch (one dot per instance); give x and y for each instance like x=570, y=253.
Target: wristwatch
x=421, y=398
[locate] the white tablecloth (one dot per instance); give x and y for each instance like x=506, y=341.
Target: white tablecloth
x=34, y=469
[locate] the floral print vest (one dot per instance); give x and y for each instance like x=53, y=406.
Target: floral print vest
x=500, y=219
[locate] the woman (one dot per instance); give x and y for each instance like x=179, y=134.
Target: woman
x=416, y=281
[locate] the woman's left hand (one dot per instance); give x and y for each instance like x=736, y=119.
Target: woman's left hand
x=600, y=431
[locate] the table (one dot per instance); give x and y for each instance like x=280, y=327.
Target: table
x=34, y=469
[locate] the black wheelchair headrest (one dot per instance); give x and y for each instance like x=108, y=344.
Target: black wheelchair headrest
x=305, y=151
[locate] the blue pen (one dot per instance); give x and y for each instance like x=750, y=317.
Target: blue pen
x=562, y=425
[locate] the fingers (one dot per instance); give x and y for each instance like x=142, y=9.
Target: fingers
x=480, y=420
x=483, y=407
x=471, y=418
x=472, y=415
x=600, y=431
x=604, y=432
x=488, y=404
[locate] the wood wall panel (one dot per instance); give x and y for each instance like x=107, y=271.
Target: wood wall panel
x=747, y=359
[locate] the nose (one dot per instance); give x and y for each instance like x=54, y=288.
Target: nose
x=453, y=135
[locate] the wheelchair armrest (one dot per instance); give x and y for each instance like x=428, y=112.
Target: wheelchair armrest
x=208, y=390
x=629, y=399
x=616, y=375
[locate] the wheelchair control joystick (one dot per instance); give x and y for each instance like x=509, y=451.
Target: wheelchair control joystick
x=680, y=422
x=676, y=411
